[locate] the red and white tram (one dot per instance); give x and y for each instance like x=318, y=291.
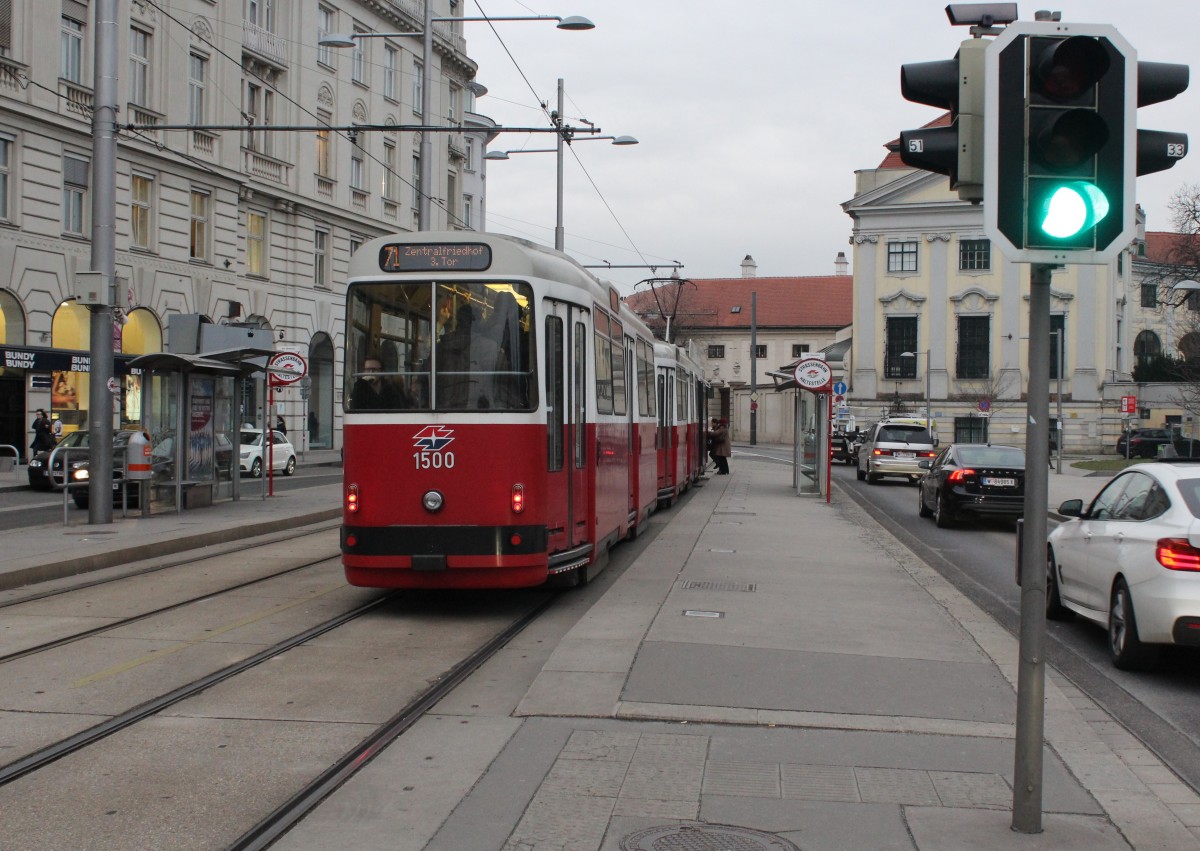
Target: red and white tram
x=502, y=418
x=682, y=425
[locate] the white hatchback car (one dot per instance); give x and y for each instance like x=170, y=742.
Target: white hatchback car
x=282, y=452
x=1130, y=561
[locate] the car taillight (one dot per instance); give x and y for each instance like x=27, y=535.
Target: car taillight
x=351, y=499
x=927, y=454
x=881, y=452
x=1177, y=554
x=960, y=475
x=518, y=498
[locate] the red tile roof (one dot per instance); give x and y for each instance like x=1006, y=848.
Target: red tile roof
x=1174, y=249
x=809, y=302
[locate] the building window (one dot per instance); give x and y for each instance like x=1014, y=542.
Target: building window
x=324, y=162
x=71, y=50
x=902, y=256
x=1149, y=295
x=201, y=214
x=416, y=181
x=452, y=197
x=1057, y=325
x=974, y=255
x=418, y=79
x=970, y=429
x=716, y=352
x=321, y=258
x=75, y=186
x=355, y=244
x=391, y=62
x=141, y=211
x=974, y=347
x=259, y=108
x=358, y=61
x=760, y=351
x=799, y=350
x=390, y=181
x=468, y=212
x=901, y=337
x=358, y=177
x=256, y=243
x=197, y=76
x=469, y=155
x=5, y=26
x=6, y=146
x=1147, y=348
x=324, y=28
x=139, y=67
x=261, y=13
x=454, y=108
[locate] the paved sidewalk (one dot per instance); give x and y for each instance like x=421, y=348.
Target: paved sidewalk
x=770, y=670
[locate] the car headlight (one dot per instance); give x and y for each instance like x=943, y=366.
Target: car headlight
x=35, y=464
x=79, y=475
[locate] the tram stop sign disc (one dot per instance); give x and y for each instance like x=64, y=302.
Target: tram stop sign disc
x=813, y=374
x=286, y=368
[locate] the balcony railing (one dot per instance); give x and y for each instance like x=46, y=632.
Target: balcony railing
x=12, y=74
x=204, y=143
x=77, y=97
x=358, y=199
x=142, y=115
x=265, y=43
x=269, y=169
x=324, y=188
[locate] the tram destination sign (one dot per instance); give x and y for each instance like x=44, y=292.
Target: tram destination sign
x=435, y=257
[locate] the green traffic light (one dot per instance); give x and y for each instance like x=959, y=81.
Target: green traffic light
x=1071, y=208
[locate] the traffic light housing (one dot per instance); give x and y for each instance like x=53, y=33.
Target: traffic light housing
x=955, y=150
x=1062, y=148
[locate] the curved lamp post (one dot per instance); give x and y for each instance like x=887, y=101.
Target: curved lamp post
x=928, y=403
x=570, y=22
x=559, y=233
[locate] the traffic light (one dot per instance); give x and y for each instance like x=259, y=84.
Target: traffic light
x=1063, y=171
x=955, y=150
x=1158, y=150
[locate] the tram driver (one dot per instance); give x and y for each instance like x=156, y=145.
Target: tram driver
x=372, y=391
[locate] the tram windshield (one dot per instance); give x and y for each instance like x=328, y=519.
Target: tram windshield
x=439, y=347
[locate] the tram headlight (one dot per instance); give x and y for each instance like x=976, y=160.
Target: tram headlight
x=433, y=501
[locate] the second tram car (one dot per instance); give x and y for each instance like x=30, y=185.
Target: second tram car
x=507, y=417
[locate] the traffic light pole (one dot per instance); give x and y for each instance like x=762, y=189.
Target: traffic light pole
x=1031, y=665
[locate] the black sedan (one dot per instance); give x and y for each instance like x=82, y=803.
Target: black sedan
x=980, y=480
x=40, y=477
x=1143, y=442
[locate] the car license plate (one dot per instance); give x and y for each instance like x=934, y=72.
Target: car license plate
x=995, y=482
x=906, y=455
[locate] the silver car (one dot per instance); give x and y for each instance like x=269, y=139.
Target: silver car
x=895, y=449
x=1130, y=561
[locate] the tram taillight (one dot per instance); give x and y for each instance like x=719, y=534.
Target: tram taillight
x=351, y=499
x=518, y=498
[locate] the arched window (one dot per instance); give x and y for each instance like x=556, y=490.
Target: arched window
x=1189, y=346
x=1146, y=348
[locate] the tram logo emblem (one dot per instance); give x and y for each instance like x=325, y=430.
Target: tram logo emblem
x=433, y=438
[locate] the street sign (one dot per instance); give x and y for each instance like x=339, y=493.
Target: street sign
x=286, y=368
x=985, y=405
x=1129, y=404
x=814, y=374
x=838, y=398
x=839, y=388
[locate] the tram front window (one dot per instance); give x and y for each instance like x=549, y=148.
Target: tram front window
x=439, y=347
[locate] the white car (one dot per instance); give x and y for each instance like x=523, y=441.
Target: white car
x=283, y=454
x=1130, y=561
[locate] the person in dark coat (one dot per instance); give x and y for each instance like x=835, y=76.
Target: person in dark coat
x=722, y=447
x=43, y=433
x=280, y=425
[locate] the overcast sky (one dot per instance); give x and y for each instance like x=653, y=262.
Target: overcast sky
x=752, y=119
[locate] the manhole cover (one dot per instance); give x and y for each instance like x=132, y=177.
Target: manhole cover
x=706, y=837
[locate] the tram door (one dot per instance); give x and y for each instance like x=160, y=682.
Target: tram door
x=666, y=429
x=632, y=398
x=568, y=503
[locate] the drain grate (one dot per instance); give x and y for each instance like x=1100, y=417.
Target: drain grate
x=706, y=837
x=697, y=585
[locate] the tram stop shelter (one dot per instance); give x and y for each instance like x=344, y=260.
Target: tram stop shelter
x=812, y=433
x=189, y=408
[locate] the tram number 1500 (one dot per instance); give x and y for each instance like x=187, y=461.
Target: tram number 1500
x=436, y=460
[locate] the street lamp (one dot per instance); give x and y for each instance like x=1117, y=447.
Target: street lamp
x=1185, y=289
x=571, y=22
x=928, y=403
x=563, y=136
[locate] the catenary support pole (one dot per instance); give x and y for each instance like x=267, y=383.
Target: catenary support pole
x=104, y=257
x=1031, y=665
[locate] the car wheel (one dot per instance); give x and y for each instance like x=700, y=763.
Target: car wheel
x=941, y=513
x=290, y=467
x=1055, y=610
x=1126, y=649
x=256, y=468
x=872, y=478
x=860, y=474
x=922, y=509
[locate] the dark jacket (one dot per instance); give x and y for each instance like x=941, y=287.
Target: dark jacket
x=722, y=443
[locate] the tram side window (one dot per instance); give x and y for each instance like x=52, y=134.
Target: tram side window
x=555, y=396
x=645, y=361
x=578, y=394
x=618, y=376
x=604, y=379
